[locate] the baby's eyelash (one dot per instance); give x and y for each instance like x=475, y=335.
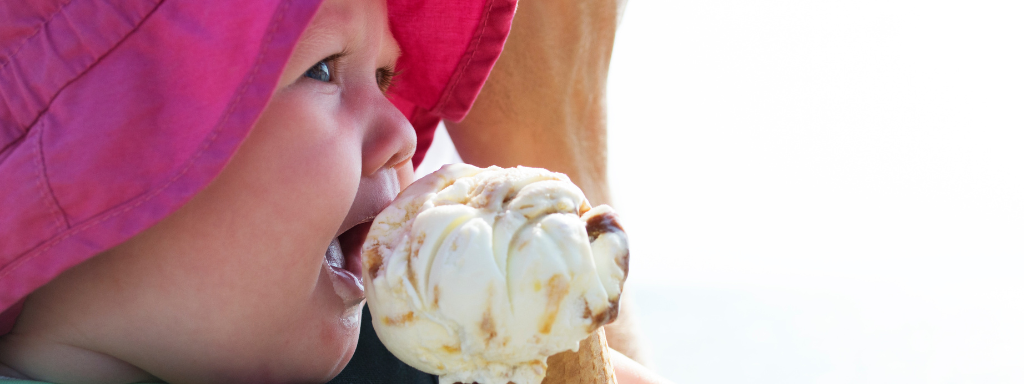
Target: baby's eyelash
x=385, y=77
x=332, y=61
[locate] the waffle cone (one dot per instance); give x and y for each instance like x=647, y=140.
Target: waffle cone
x=590, y=365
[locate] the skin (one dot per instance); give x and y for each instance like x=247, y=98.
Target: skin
x=544, y=106
x=234, y=287
x=628, y=371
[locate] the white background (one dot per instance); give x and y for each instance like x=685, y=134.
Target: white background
x=823, y=191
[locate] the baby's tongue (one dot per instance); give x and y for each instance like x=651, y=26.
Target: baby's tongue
x=334, y=256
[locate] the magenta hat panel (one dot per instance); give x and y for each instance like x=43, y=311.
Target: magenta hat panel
x=45, y=46
x=140, y=124
x=146, y=140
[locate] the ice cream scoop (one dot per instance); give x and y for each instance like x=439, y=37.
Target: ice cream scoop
x=478, y=275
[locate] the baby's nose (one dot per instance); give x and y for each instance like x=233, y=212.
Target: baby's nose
x=390, y=139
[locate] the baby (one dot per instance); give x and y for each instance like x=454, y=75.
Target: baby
x=234, y=286
x=184, y=188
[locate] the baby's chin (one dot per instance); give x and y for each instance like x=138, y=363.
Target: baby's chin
x=335, y=342
x=312, y=353
x=351, y=339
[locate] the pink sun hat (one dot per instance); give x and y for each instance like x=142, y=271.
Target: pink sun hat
x=113, y=114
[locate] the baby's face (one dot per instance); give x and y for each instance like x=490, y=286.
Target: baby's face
x=235, y=286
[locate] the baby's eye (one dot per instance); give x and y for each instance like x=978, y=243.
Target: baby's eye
x=319, y=71
x=385, y=76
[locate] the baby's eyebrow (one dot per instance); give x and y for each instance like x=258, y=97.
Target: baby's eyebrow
x=320, y=37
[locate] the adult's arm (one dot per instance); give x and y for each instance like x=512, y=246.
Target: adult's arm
x=544, y=106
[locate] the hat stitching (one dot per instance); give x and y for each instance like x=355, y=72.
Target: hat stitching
x=45, y=189
x=34, y=33
x=85, y=70
x=206, y=144
x=466, y=64
x=3, y=150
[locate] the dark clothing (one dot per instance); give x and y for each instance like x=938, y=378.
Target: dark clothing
x=374, y=364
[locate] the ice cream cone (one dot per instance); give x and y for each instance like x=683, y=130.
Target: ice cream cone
x=590, y=365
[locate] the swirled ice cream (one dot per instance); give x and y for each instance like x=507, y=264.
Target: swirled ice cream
x=478, y=275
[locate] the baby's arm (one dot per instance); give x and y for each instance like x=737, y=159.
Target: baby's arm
x=544, y=106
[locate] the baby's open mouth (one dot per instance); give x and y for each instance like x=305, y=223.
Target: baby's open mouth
x=345, y=251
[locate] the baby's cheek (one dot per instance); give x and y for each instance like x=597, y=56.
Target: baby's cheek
x=295, y=178
x=309, y=161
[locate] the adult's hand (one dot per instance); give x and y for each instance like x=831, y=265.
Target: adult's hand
x=544, y=106
x=628, y=371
